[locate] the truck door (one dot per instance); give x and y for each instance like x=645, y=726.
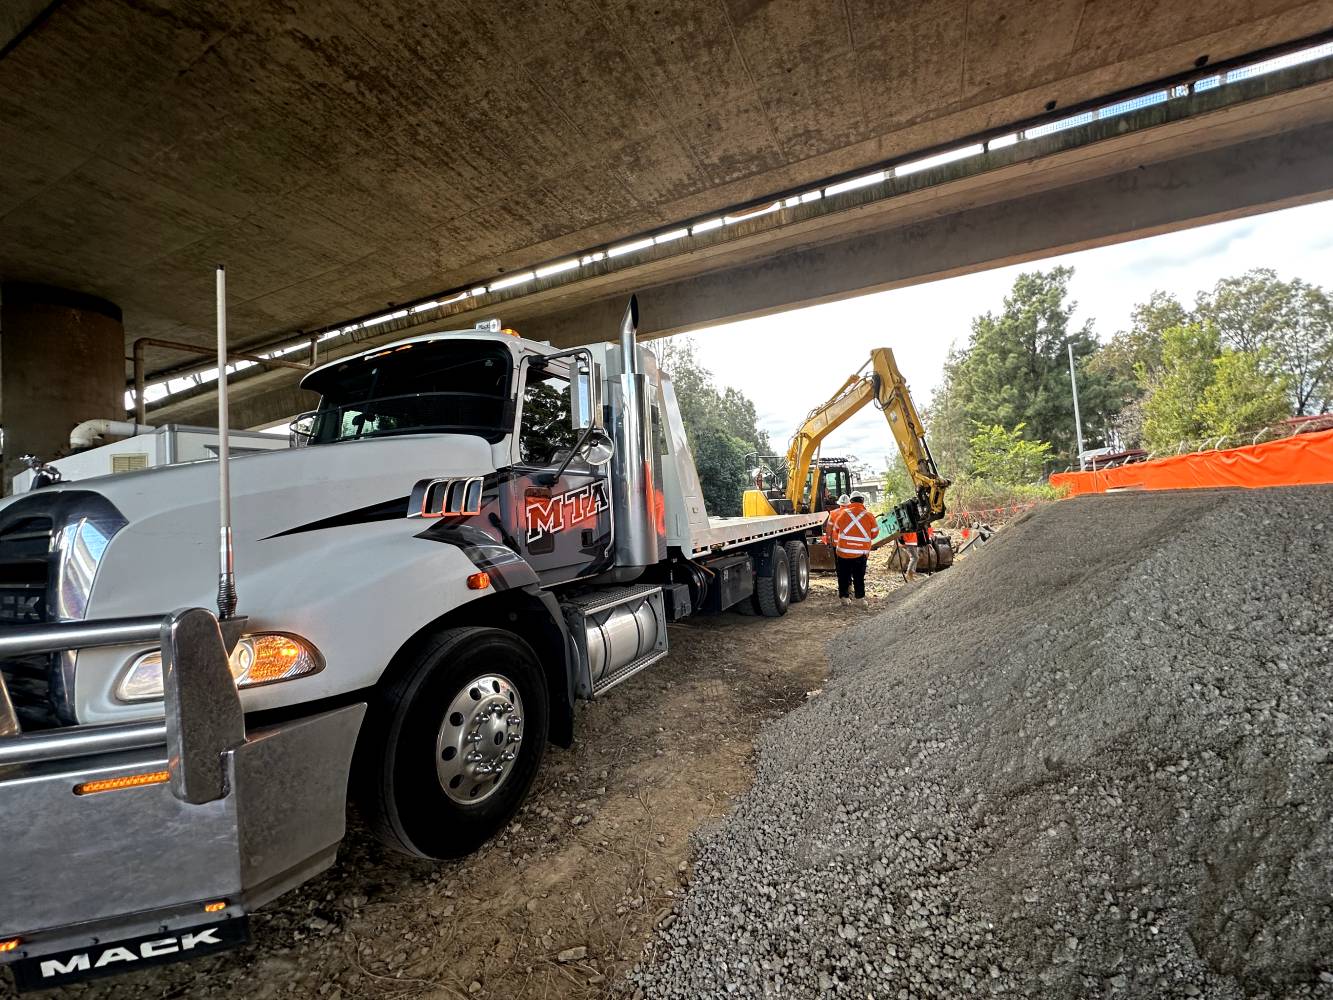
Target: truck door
x=564, y=525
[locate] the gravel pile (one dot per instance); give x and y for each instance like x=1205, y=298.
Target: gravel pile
x=1092, y=760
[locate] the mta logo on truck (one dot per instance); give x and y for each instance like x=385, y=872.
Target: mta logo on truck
x=549, y=515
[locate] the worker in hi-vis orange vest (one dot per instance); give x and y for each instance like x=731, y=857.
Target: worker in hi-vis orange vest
x=850, y=531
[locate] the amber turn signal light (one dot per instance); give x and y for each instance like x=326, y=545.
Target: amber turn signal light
x=124, y=781
x=478, y=581
x=217, y=906
x=9, y=944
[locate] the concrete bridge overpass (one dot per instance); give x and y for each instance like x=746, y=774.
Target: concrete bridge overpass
x=350, y=160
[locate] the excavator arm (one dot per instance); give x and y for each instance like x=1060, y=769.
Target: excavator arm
x=893, y=398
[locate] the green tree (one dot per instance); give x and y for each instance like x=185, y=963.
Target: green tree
x=897, y=483
x=1131, y=361
x=1015, y=370
x=1133, y=357
x=720, y=459
x=1005, y=457
x=947, y=429
x=1288, y=324
x=720, y=423
x=1172, y=411
x=1245, y=395
x=1207, y=390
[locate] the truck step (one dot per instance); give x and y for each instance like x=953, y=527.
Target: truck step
x=617, y=631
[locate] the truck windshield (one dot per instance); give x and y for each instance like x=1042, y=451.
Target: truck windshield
x=437, y=386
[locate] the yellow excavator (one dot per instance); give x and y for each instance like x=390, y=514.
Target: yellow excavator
x=880, y=382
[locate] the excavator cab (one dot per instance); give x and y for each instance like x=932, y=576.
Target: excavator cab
x=829, y=479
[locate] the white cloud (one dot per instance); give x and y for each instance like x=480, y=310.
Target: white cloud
x=789, y=363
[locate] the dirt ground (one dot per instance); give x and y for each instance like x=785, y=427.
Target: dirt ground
x=596, y=858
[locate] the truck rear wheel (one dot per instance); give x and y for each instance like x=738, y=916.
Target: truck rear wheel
x=773, y=592
x=453, y=742
x=798, y=558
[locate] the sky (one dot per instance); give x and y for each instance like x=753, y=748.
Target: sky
x=791, y=362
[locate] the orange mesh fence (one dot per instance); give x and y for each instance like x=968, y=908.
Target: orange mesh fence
x=1303, y=459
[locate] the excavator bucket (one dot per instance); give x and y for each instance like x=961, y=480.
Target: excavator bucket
x=930, y=558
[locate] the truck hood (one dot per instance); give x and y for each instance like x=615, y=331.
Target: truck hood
x=165, y=552
x=278, y=491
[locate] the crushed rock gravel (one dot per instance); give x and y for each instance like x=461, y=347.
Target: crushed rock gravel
x=1093, y=760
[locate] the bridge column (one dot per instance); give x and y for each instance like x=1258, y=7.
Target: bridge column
x=62, y=361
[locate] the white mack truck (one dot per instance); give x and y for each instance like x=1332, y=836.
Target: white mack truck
x=473, y=531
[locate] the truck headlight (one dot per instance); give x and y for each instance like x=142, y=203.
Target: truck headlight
x=261, y=658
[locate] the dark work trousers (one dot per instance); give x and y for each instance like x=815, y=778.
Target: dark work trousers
x=852, y=573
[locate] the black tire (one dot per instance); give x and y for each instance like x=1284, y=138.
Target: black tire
x=398, y=788
x=773, y=592
x=798, y=558
x=746, y=606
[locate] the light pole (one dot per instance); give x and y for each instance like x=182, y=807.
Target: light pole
x=1078, y=423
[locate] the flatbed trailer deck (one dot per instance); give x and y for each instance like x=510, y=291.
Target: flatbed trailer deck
x=725, y=533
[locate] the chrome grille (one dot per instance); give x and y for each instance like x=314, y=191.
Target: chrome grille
x=51, y=542
x=25, y=549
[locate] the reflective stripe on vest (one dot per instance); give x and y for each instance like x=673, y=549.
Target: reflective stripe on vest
x=856, y=532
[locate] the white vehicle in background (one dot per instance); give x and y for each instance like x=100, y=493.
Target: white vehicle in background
x=474, y=531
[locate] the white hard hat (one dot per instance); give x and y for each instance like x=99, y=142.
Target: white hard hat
x=844, y=500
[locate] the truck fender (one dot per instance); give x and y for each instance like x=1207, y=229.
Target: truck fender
x=519, y=605
x=763, y=554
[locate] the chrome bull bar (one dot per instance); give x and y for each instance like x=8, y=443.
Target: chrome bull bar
x=203, y=709
x=241, y=818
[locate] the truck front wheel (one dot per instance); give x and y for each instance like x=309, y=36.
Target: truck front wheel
x=453, y=742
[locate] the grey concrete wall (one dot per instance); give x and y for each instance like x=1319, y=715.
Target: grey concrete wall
x=62, y=360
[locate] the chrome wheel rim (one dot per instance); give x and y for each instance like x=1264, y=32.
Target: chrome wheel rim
x=782, y=582
x=803, y=571
x=478, y=739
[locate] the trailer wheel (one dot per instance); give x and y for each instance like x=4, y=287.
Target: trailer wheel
x=798, y=558
x=773, y=593
x=452, y=743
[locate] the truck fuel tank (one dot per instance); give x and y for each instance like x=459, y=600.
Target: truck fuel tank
x=618, y=632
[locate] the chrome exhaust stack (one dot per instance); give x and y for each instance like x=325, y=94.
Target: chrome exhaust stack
x=637, y=541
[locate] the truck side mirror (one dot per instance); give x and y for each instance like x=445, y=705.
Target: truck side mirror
x=585, y=408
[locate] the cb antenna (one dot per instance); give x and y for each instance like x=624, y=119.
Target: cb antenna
x=226, y=558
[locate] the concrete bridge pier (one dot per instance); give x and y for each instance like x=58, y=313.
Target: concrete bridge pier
x=62, y=360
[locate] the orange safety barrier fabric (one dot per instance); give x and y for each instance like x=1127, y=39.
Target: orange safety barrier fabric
x=1300, y=460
